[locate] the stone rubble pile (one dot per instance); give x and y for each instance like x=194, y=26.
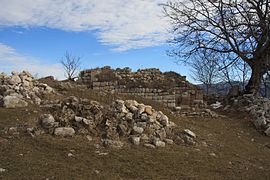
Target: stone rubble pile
x=115, y=125
x=258, y=108
x=20, y=88
x=140, y=124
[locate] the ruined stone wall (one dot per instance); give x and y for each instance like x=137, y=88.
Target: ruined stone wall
x=168, y=88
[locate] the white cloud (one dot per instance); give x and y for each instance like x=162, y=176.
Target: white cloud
x=11, y=60
x=123, y=24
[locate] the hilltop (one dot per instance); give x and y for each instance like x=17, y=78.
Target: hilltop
x=111, y=134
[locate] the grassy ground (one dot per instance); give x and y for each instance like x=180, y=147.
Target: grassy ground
x=240, y=151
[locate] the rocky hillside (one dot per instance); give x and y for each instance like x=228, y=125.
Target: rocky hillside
x=62, y=130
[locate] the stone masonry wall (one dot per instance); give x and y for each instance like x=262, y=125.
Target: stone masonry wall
x=168, y=88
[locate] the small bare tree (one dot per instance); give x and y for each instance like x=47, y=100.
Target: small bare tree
x=205, y=70
x=243, y=73
x=71, y=65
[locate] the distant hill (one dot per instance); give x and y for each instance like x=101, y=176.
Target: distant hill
x=223, y=88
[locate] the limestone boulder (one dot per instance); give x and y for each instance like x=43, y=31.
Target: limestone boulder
x=113, y=143
x=189, y=133
x=13, y=102
x=64, y=131
x=47, y=121
x=14, y=80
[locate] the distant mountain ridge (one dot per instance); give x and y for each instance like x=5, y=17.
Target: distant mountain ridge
x=223, y=88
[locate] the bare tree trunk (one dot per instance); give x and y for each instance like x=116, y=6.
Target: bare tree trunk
x=255, y=79
x=207, y=89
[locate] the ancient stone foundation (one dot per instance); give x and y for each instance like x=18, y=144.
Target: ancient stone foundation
x=168, y=88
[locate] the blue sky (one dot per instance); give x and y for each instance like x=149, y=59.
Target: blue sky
x=34, y=35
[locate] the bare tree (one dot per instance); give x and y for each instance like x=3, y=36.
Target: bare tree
x=71, y=65
x=205, y=70
x=237, y=28
x=243, y=71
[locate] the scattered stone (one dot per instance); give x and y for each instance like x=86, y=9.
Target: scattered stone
x=168, y=141
x=204, y=144
x=113, y=144
x=47, y=121
x=135, y=140
x=131, y=103
x=159, y=143
x=150, y=146
x=89, y=138
x=138, y=130
x=101, y=153
x=190, y=133
x=188, y=140
x=267, y=132
x=216, y=105
x=2, y=170
x=148, y=110
x=70, y=155
x=64, y=131
x=213, y=154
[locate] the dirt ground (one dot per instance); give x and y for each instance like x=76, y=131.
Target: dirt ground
x=226, y=148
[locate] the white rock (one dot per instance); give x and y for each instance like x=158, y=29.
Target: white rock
x=138, y=130
x=135, y=140
x=14, y=73
x=113, y=144
x=15, y=79
x=188, y=140
x=78, y=119
x=150, y=146
x=86, y=121
x=13, y=102
x=130, y=103
x=37, y=100
x=216, y=105
x=129, y=116
x=212, y=154
x=168, y=141
x=133, y=109
x=159, y=143
x=267, y=132
x=120, y=106
x=64, y=131
x=190, y=133
x=164, y=120
x=47, y=121
x=141, y=108
x=49, y=90
x=144, y=137
x=2, y=170
x=144, y=117
x=70, y=155
x=260, y=122
x=89, y=138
